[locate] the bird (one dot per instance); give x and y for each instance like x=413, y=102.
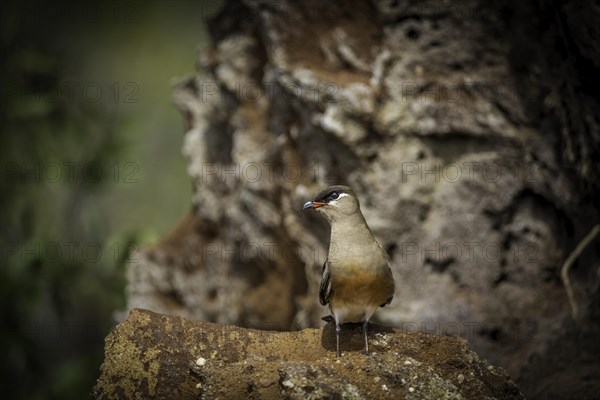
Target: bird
x=356, y=277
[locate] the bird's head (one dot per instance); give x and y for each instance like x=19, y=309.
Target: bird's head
x=335, y=202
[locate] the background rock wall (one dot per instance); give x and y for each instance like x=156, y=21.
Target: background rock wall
x=452, y=122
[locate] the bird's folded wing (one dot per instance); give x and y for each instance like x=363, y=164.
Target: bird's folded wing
x=325, y=288
x=393, y=284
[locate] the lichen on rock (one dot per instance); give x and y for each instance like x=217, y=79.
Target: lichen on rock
x=154, y=356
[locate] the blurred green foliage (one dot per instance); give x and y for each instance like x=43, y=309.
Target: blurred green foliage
x=57, y=300
x=90, y=164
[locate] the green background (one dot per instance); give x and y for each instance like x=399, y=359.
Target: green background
x=91, y=166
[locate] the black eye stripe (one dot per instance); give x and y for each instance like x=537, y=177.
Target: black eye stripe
x=333, y=196
x=327, y=197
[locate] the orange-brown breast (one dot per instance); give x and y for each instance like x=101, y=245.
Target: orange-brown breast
x=355, y=285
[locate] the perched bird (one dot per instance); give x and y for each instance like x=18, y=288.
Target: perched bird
x=357, y=278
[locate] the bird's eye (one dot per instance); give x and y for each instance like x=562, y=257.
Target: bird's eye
x=334, y=195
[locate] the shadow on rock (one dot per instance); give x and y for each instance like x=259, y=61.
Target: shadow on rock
x=351, y=337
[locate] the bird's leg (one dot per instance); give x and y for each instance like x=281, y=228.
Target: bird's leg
x=337, y=338
x=365, y=325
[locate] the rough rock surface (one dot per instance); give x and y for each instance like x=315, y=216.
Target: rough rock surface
x=447, y=118
x=153, y=356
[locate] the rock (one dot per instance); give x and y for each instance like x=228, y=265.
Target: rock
x=154, y=356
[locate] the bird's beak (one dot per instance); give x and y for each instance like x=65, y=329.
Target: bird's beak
x=313, y=204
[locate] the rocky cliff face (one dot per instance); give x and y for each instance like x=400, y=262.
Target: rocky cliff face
x=439, y=118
